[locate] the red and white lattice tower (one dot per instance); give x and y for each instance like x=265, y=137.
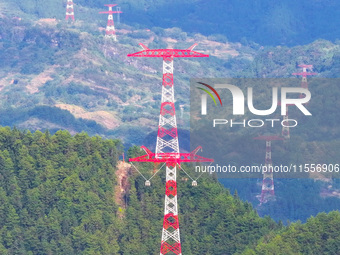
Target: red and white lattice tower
x=110, y=28
x=304, y=75
x=285, y=127
x=69, y=10
x=167, y=146
x=268, y=178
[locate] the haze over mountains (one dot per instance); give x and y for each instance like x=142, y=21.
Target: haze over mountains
x=263, y=21
x=55, y=75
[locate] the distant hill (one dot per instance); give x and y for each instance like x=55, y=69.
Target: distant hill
x=265, y=22
x=71, y=77
x=52, y=69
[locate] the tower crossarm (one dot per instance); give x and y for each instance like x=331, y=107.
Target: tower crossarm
x=165, y=53
x=177, y=158
x=304, y=74
x=110, y=12
x=306, y=66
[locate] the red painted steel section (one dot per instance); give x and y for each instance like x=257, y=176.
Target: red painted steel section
x=175, y=248
x=69, y=10
x=170, y=220
x=176, y=158
x=171, y=188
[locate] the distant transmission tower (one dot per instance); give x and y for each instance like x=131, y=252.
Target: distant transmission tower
x=268, y=178
x=182, y=110
x=118, y=9
x=167, y=147
x=110, y=28
x=304, y=75
x=285, y=127
x=69, y=10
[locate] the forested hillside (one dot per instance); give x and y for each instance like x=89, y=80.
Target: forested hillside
x=58, y=195
x=318, y=236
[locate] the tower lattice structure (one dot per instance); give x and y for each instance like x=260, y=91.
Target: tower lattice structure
x=167, y=146
x=110, y=28
x=304, y=84
x=268, y=177
x=285, y=127
x=119, y=11
x=304, y=74
x=69, y=10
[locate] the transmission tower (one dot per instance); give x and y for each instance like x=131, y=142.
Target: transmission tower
x=268, y=178
x=118, y=9
x=110, y=28
x=285, y=127
x=304, y=75
x=69, y=10
x=182, y=110
x=167, y=146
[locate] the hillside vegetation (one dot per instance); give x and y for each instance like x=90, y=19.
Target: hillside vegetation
x=58, y=196
x=57, y=75
x=67, y=76
x=265, y=22
x=317, y=236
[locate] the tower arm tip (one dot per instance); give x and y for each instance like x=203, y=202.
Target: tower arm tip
x=199, y=148
x=110, y=5
x=147, y=151
x=143, y=46
x=192, y=46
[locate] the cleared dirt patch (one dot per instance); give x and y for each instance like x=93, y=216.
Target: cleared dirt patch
x=107, y=119
x=123, y=186
x=8, y=80
x=40, y=80
x=48, y=21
